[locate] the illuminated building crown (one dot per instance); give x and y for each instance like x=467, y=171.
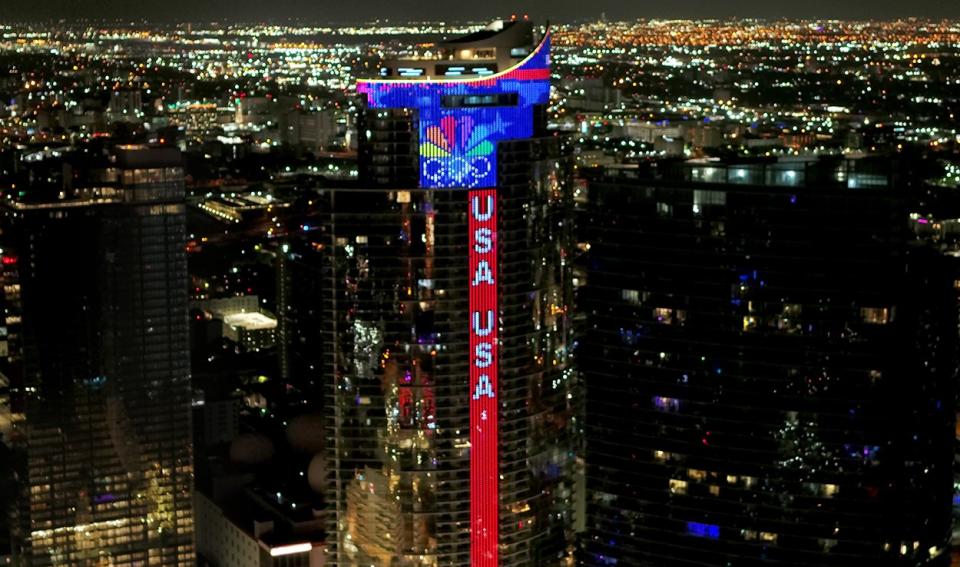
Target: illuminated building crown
x=465, y=103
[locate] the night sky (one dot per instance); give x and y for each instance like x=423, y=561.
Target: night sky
x=557, y=10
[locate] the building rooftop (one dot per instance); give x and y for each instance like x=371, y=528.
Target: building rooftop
x=500, y=46
x=869, y=172
x=142, y=156
x=250, y=321
x=498, y=34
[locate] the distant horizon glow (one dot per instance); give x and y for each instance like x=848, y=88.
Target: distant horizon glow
x=541, y=10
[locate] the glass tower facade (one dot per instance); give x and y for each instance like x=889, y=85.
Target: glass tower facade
x=100, y=389
x=453, y=434
x=771, y=359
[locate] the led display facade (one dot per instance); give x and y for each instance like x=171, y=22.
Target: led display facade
x=460, y=122
x=484, y=464
x=458, y=128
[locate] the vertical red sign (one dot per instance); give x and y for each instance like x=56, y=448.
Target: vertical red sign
x=484, y=457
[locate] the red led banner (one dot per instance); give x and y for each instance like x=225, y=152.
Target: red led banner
x=484, y=457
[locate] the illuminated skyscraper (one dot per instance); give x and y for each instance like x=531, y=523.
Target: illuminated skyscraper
x=454, y=432
x=97, y=355
x=771, y=355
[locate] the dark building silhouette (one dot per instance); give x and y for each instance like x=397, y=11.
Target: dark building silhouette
x=771, y=357
x=300, y=293
x=97, y=356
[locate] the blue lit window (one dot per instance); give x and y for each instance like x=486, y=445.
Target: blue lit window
x=666, y=404
x=709, y=531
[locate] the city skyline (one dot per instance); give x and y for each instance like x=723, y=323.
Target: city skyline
x=434, y=289
x=541, y=10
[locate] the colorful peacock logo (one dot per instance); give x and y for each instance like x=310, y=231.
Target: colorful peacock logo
x=457, y=152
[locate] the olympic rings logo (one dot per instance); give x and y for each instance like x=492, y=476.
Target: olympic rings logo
x=457, y=171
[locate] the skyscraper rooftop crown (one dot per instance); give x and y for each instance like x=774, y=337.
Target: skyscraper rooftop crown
x=498, y=47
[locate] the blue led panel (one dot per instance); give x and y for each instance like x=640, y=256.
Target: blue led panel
x=709, y=531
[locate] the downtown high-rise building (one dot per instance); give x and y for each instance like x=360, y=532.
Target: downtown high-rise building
x=453, y=429
x=771, y=357
x=95, y=330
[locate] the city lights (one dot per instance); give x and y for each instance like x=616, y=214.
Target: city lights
x=346, y=288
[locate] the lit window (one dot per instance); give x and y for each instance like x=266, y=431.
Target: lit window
x=703, y=530
x=876, y=315
x=768, y=537
x=669, y=316
x=789, y=319
x=678, y=486
x=697, y=474
x=663, y=403
x=702, y=198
